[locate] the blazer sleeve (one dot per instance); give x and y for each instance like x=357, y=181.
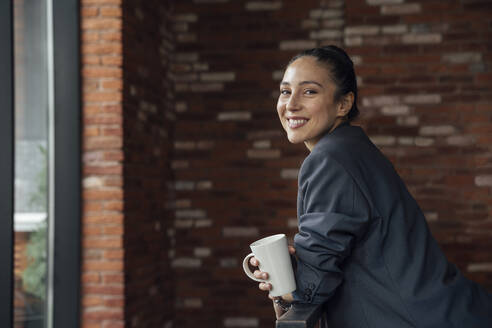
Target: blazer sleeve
x=334, y=214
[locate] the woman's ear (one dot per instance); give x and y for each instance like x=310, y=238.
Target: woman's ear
x=345, y=104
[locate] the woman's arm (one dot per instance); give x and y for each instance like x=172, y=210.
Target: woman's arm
x=334, y=214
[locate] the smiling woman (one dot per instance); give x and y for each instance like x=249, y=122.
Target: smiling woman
x=363, y=248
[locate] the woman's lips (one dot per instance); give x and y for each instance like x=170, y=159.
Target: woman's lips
x=295, y=123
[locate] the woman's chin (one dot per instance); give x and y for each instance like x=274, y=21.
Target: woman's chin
x=294, y=139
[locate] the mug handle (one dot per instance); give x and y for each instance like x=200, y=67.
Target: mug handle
x=247, y=270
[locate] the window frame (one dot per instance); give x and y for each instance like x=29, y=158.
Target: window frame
x=67, y=161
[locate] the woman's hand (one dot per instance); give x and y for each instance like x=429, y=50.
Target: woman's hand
x=265, y=286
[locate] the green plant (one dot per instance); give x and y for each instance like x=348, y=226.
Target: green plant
x=34, y=276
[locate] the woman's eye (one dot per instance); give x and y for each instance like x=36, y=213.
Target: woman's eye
x=284, y=92
x=311, y=92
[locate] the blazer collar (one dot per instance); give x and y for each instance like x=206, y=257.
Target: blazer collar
x=343, y=130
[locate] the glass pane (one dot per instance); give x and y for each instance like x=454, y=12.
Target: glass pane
x=31, y=163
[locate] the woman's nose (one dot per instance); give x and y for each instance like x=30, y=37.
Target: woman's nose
x=293, y=104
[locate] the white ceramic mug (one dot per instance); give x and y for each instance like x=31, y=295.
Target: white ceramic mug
x=273, y=254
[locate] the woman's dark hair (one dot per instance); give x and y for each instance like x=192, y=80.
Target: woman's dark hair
x=342, y=71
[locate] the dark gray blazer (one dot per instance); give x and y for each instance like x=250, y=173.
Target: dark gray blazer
x=365, y=249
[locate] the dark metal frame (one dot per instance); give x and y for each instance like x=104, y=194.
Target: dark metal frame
x=66, y=47
x=6, y=164
x=67, y=163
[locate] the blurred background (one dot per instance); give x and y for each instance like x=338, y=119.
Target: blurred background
x=184, y=162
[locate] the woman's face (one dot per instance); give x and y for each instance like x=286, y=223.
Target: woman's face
x=306, y=106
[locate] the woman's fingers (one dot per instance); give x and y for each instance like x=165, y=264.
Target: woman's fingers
x=253, y=261
x=292, y=250
x=260, y=275
x=265, y=286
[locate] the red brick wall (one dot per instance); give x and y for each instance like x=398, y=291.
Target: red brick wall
x=148, y=115
x=190, y=149
x=425, y=92
x=102, y=218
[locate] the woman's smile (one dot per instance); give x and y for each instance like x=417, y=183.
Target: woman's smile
x=296, y=122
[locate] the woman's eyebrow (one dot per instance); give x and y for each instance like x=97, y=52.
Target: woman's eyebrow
x=303, y=82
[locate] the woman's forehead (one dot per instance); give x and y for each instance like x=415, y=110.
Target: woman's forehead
x=306, y=68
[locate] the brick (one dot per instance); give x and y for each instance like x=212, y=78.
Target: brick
x=353, y=41
x=101, y=315
x=191, y=214
x=98, y=243
x=437, y=130
x=460, y=140
x=262, y=144
x=115, y=230
x=325, y=34
x=462, y=57
x=101, y=23
x=90, y=277
x=114, y=254
x=186, y=263
x=395, y=110
x=377, y=101
x=263, y=153
x=422, y=99
x=112, y=278
x=428, y=38
x=193, y=303
x=186, y=57
x=383, y=2
x=93, y=143
x=112, y=61
x=101, y=49
x=408, y=120
x=228, y=263
x=184, y=145
x=234, y=116
x=289, y=173
x=424, y=142
x=111, y=11
x=395, y=29
x=102, y=97
x=184, y=185
x=202, y=251
x=401, y=9
x=362, y=30
x=206, y=87
x=204, y=185
x=406, y=141
x=186, y=37
x=188, y=18
x=297, y=44
x=218, y=76
x=479, y=267
x=89, y=11
x=92, y=182
x=240, y=232
x=333, y=23
x=241, y=322
x=431, y=216
x=102, y=265
x=180, y=164
x=101, y=2
x=483, y=180
x=263, y=5
x=106, y=218
x=326, y=13
x=92, y=72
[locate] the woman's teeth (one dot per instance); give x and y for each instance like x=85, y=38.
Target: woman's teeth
x=296, y=123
